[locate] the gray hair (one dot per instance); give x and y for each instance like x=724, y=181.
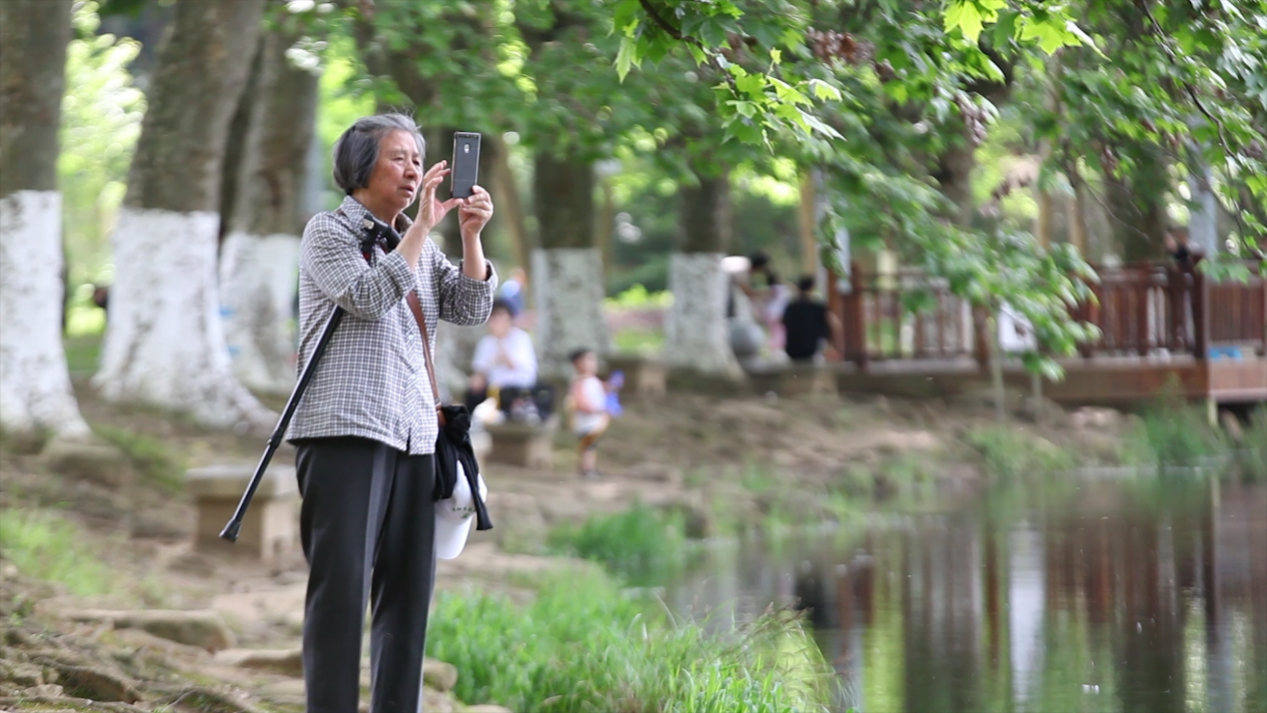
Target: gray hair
x=356, y=151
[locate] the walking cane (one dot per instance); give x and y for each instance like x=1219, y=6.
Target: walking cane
x=374, y=231
x=230, y=531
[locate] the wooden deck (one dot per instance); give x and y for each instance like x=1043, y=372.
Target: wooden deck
x=1163, y=329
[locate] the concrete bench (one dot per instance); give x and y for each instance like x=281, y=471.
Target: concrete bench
x=270, y=529
x=644, y=376
x=526, y=445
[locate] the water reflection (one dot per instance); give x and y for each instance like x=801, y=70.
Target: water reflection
x=1108, y=597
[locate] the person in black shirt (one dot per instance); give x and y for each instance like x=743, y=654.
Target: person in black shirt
x=808, y=322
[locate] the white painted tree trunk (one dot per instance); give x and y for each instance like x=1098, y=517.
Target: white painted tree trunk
x=696, y=337
x=568, y=284
x=257, y=294
x=35, y=391
x=164, y=339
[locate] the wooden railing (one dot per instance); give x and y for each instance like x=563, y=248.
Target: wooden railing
x=1140, y=310
x=881, y=323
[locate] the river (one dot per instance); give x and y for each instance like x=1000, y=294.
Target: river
x=1141, y=596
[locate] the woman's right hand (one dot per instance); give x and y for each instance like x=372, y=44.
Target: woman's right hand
x=430, y=210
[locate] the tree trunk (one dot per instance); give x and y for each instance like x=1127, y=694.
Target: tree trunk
x=807, y=223
x=260, y=256
x=164, y=342
x=235, y=148
x=1077, y=206
x=696, y=334
x=954, y=175
x=35, y=390
x=567, y=272
x=510, y=206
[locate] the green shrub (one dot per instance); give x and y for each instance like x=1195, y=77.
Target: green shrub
x=152, y=458
x=641, y=543
x=1177, y=434
x=639, y=297
x=1253, y=453
x=639, y=341
x=583, y=645
x=47, y=546
x=1009, y=452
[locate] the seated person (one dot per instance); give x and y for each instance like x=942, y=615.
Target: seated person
x=505, y=365
x=808, y=322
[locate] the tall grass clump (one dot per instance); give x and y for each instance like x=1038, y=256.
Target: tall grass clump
x=642, y=543
x=1253, y=453
x=1174, y=433
x=47, y=546
x=582, y=645
x=1008, y=452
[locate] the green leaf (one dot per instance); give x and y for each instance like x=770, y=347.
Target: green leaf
x=626, y=57
x=1005, y=29
x=1072, y=28
x=965, y=16
x=823, y=90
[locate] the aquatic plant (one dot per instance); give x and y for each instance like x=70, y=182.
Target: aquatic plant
x=584, y=645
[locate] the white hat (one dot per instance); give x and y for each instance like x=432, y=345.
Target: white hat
x=454, y=517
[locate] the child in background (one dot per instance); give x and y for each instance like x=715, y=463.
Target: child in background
x=589, y=403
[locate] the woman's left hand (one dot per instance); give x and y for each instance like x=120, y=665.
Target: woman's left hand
x=474, y=213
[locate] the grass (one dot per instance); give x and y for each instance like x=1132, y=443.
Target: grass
x=640, y=544
x=1008, y=452
x=583, y=645
x=47, y=546
x=153, y=460
x=83, y=352
x=1171, y=433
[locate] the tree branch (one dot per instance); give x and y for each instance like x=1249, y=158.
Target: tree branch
x=1189, y=89
x=663, y=24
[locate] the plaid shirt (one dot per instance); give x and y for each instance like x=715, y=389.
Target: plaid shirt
x=372, y=380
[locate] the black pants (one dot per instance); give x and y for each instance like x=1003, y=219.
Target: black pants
x=368, y=529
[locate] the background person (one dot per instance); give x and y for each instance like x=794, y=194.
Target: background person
x=505, y=364
x=590, y=418
x=768, y=295
x=807, y=323
x=514, y=292
x=366, y=429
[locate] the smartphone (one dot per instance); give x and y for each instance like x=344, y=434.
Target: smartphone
x=465, y=166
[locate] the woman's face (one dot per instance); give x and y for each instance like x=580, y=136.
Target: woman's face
x=398, y=173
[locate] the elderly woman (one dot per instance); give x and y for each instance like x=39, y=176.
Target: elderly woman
x=366, y=429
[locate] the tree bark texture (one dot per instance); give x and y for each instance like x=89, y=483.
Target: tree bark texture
x=696, y=335
x=567, y=272
x=202, y=70
x=563, y=195
x=33, y=39
x=258, y=262
x=954, y=175
x=165, y=343
x=235, y=145
x=35, y=389
x=568, y=292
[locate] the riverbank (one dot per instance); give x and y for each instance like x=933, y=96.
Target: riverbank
x=682, y=469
